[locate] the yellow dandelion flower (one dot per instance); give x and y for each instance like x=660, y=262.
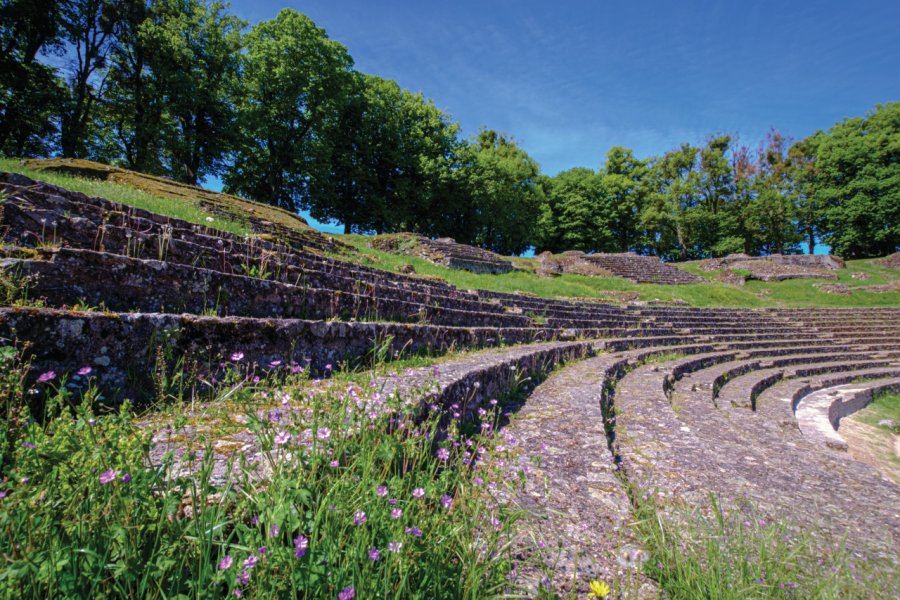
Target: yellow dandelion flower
x=598, y=590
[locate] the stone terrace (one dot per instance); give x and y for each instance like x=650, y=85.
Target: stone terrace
x=642, y=269
x=670, y=400
x=444, y=251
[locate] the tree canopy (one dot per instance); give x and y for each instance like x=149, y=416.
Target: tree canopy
x=183, y=89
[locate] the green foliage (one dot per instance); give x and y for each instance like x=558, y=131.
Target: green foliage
x=858, y=167
x=294, y=78
x=740, y=554
x=84, y=516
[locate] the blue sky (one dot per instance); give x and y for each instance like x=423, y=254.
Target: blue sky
x=569, y=79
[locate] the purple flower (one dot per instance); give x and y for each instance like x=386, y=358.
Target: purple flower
x=237, y=356
x=446, y=502
x=300, y=545
x=92, y=422
x=262, y=550
x=126, y=477
x=374, y=554
x=334, y=464
x=275, y=364
x=348, y=593
x=396, y=513
x=296, y=369
x=392, y=501
x=443, y=454
x=108, y=476
x=254, y=520
x=274, y=530
x=28, y=445
x=418, y=492
x=250, y=562
x=328, y=368
x=2, y=495
x=243, y=577
x=359, y=518
x=415, y=531
x=282, y=438
x=24, y=480
x=84, y=371
x=225, y=563
x=324, y=433
x=394, y=546
x=47, y=376
x=381, y=490
x=238, y=592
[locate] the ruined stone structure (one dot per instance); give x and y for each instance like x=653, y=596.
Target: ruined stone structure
x=443, y=251
x=642, y=269
x=779, y=267
x=676, y=400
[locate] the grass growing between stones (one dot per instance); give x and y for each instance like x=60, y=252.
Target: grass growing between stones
x=338, y=492
x=738, y=554
x=884, y=407
x=130, y=196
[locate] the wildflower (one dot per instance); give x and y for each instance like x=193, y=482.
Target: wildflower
x=274, y=530
x=254, y=521
x=396, y=513
x=209, y=219
x=250, y=562
x=324, y=433
x=478, y=481
x=446, y=502
x=495, y=522
x=328, y=368
x=46, y=376
x=300, y=545
x=107, y=476
x=28, y=445
x=359, y=518
x=225, y=563
x=334, y=464
x=374, y=554
x=262, y=550
x=381, y=490
x=275, y=364
x=392, y=501
x=84, y=371
x=414, y=531
x=348, y=593
x=92, y=422
x=443, y=454
x=418, y=492
x=243, y=577
x=296, y=369
x=256, y=379
x=24, y=480
x=282, y=438
x=238, y=593
x=598, y=589
x=394, y=546
x=126, y=477
x=2, y=495
x=237, y=356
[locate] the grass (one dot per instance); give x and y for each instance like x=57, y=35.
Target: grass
x=884, y=406
x=740, y=554
x=131, y=196
x=360, y=492
x=755, y=294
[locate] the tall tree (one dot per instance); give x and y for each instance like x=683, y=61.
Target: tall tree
x=575, y=215
x=293, y=80
x=30, y=92
x=507, y=193
x=671, y=222
x=88, y=27
x=624, y=181
x=194, y=54
x=858, y=165
x=803, y=185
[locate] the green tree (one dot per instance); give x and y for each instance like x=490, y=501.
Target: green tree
x=803, y=185
x=88, y=27
x=624, y=181
x=294, y=79
x=506, y=192
x=673, y=225
x=858, y=168
x=193, y=47
x=575, y=215
x=30, y=92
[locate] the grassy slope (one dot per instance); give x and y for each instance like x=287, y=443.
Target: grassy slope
x=129, y=196
x=755, y=294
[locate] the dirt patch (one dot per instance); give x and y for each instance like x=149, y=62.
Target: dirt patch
x=872, y=445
